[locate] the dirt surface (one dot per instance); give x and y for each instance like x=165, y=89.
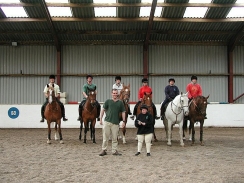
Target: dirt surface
x=26, y=157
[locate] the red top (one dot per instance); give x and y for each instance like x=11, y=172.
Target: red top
x=194, y=90
x=143, y=89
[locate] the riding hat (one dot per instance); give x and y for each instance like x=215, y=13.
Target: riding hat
x=143, y=107
x=88, y=76
x=144, y=80
x=171, y=79
x=51, y=77
x=117, y=78
x=193, y=77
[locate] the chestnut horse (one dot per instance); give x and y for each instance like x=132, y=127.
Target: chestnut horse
x=89, y=114
x=197, y=112
x=124, y=96
x=147, y=100
x=53, y=113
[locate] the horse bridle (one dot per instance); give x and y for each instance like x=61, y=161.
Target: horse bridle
x=126, y=94
x=196, y=107
x=181, y=108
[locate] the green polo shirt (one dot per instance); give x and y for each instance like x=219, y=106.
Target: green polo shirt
x=90, y=87
x=112, y=110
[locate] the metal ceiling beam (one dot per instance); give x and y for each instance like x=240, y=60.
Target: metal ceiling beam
x=51, y=26
x=135, y=32
x=122, y=42
x=236, y=38
x=114, y=19
x=150, y=22
x=91, y=5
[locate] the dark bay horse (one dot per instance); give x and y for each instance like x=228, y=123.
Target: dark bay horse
x=197, y=113
x=124, y=96
x=147, y=100
x=53, y=113
x=89, y=114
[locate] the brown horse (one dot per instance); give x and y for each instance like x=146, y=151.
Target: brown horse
x=53, y=113
x=147, y=100
x=124, y=96
x=89, y=114
x=197, y=112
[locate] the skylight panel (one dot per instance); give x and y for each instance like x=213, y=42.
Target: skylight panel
x=57, y=1
x=60, y=11
x=105, y=12
x=196, y=12
x=14, y=11
x=145, y=11
x=236, y=12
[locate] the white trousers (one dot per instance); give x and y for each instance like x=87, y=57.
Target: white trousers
x=148, y=139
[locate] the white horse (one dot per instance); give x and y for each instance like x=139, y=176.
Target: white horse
x=174, y=114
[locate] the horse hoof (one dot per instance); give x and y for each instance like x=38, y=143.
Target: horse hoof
x=182, y=145
x=184, y=138
x=190, y=139
x=202, y=144
x=169, y=144
x=61, y=142
x=124, y=142
x=49, y=142
x=155, y=140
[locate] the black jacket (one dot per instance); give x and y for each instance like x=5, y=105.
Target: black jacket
x=144, y=129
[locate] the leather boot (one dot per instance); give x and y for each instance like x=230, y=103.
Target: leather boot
x=80, y=114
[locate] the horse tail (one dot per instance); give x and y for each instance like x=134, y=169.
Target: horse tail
x=185, y=125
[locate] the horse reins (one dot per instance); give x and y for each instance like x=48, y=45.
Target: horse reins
x=181, y=109
x=196, y=107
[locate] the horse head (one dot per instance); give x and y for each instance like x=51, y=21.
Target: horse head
x=200, y=104
x=51, y=93
x=182, y=100
x=147, y=99
x=125, y=94
x=92, y=97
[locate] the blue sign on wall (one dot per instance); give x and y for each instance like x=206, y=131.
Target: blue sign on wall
x=13, y=112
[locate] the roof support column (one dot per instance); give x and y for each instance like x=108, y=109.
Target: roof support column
x=58, y=68
x=230, y=77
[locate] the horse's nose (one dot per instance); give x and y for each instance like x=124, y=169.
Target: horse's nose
x=186, y=113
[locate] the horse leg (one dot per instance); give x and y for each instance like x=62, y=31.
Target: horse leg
x=165, y=127
x=49, y=133
x=193, y=133
x=169, y=134
x=56, y=136
x=93, y=131
x=86, y=129
x=124, y=131
x=201, y=132
x=81, y=125
x=181, y=133
x=190, y=134
x=60, y=133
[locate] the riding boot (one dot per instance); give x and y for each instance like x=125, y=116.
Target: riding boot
x=129, y=112
x=98, y=111
x=63, y=113
x=42, y=114
x=163, y=109
x=155, y=112
x=80, y=114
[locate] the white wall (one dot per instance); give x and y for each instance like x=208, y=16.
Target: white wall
x=219, y=115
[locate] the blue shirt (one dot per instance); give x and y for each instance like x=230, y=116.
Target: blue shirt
x=171, y=91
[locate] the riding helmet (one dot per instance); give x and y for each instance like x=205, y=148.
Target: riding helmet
x=143, y=106
x=88, y=76
x=172, y=79
x=117, y=78
x=51, y=77
x=144, y=80
x=193, y=77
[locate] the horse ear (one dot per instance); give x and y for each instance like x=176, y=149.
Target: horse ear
x=207, y=96
x=186, y=93
x=145, y=93
x=181, y=93
x=151, y=93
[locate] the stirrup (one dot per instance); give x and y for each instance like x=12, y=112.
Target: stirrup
x=79, y=118
x=65, y=119
x=42, y=120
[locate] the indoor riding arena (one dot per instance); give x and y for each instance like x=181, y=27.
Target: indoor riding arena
x=48, y=51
